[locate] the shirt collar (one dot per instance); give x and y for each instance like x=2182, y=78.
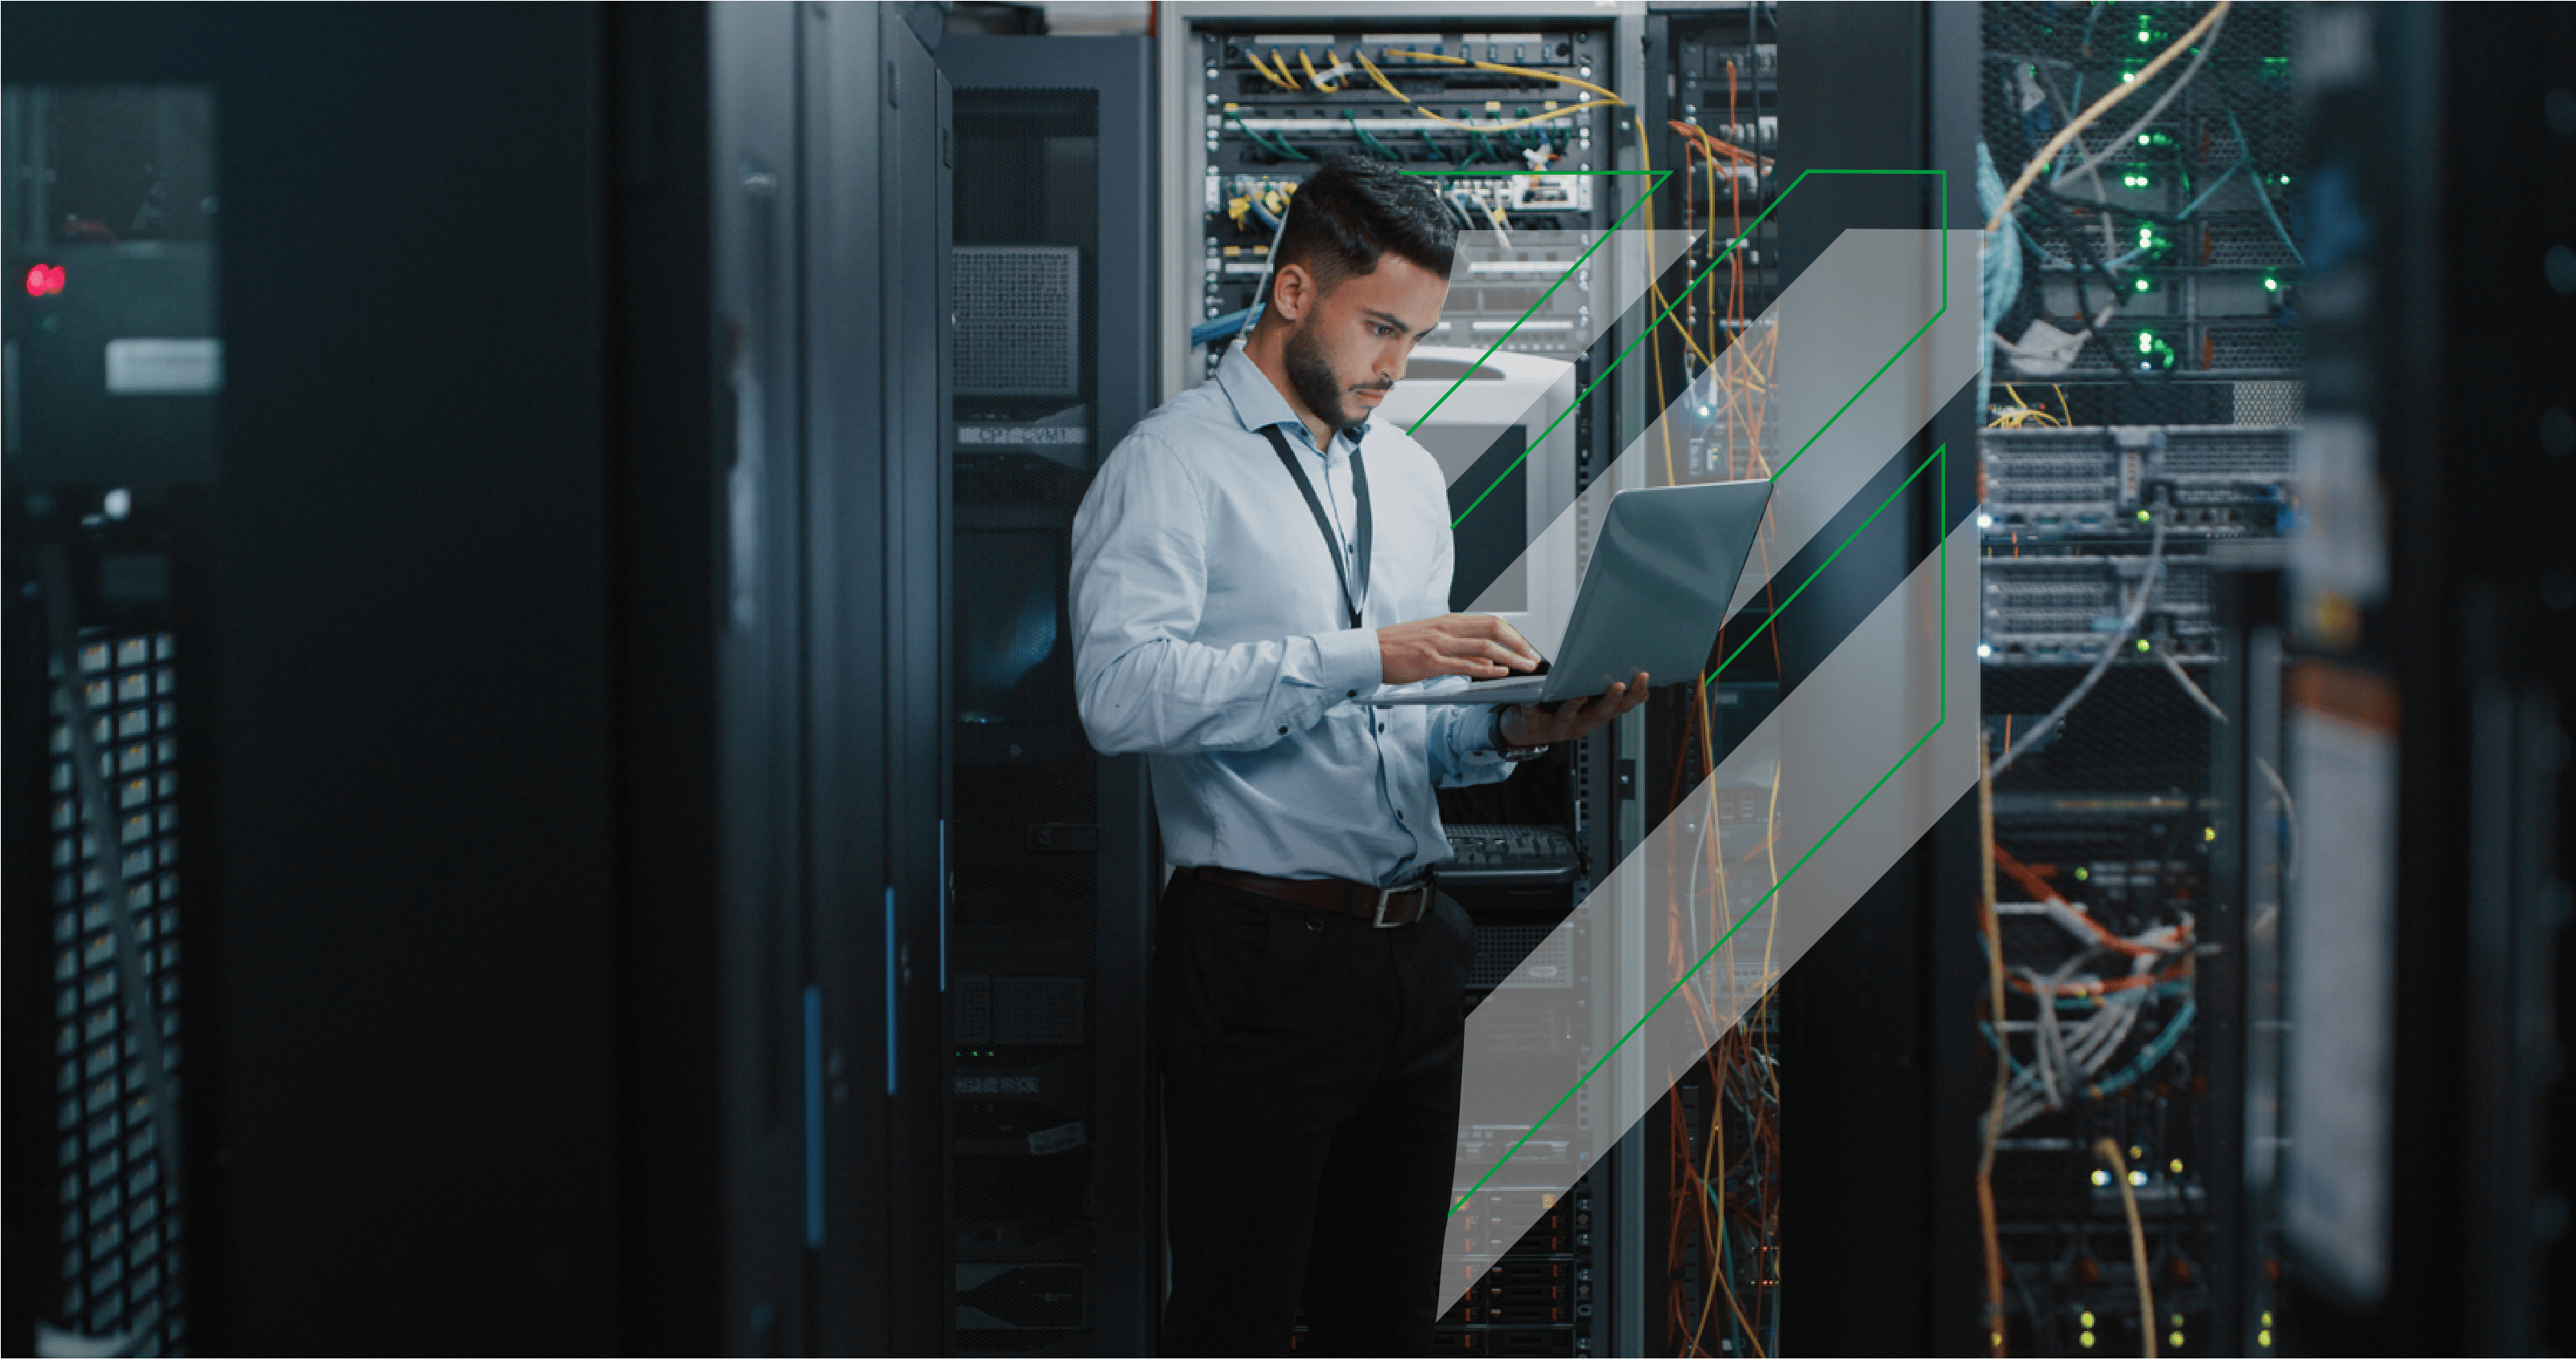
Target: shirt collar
x=1258, y=404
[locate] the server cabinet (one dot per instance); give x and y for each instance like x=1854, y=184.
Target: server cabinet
x=109, y=462
x=2111, y=488
x=1873, y=1019
x=2421, y=691
x=916, y=154
x=560, y=867
x=1051, y=1170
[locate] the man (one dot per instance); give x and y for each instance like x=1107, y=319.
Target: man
x=1252, y=558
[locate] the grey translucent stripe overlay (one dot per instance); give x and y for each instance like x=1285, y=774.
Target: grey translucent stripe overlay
x=1689, y=931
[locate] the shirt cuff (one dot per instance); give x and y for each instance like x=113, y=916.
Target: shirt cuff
x=1351, y=662
x=1473, y=756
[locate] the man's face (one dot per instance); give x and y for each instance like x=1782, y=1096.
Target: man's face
x=1350, y=344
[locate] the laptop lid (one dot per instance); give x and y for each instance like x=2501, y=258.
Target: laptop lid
x=1657, y=587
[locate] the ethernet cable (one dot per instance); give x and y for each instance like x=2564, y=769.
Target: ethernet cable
x=2128, y=628
x=1280, y=78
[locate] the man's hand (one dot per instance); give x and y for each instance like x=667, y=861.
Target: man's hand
x=1528, y=725
x=1452, y=644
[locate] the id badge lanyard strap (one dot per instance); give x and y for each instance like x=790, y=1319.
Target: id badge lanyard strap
x=1359, y=490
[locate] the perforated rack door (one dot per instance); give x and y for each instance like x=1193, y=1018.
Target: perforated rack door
x=1019, y=320
x=120, y=1224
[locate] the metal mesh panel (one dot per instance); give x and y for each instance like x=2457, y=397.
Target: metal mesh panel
x=1521, y=955
x=2180, y=203
x=2241, y=241
x=1019, y=321
x=1037, y=1010
x=120, y=1227
x=2270, y=348
x=2270, y=403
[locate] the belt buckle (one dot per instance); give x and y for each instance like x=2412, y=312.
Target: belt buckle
x=1421, y=885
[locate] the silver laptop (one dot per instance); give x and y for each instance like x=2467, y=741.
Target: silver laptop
x=1652, y=598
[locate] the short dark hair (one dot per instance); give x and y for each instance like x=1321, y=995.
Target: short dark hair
x=1349, y=213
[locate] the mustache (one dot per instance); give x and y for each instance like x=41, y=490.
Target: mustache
x=1374, y=387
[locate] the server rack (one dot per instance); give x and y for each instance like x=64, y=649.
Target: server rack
x=1238, y=133
x=1715, y=113
x=1054, y=1225
x=2138, y=425
x=1838, y=1231
x=549, y=925
x=107, y=504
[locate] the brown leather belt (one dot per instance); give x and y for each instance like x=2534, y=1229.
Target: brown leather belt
x=1381, y=907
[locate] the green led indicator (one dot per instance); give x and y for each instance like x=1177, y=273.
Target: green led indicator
x=2142, y=515
x=2142, y=644
x=2272, y=285
x=2142, y=285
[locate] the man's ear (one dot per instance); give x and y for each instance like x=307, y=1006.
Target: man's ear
x=1293, y=292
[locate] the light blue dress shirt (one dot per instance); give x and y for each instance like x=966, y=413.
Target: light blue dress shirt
x=1210, y=633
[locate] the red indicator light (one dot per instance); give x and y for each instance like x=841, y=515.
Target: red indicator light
x=43, y=279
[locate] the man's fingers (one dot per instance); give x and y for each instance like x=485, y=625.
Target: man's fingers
x=1487, y=650
x=1489, y=628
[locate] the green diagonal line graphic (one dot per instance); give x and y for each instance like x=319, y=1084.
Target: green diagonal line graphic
x=1461, y=380
x=1944, y=198
x=1941, y=550
x=1848, y=540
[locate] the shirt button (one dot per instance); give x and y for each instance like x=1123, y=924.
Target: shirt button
x=1283, y=729
x=1381, y=727
x=1399, y=816
x=1353, y=693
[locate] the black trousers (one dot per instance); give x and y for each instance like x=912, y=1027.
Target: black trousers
x=1310, y=1116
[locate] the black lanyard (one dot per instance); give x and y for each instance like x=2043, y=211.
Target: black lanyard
x=1359, y=490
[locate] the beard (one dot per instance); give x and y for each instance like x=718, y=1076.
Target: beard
x=1310, y=372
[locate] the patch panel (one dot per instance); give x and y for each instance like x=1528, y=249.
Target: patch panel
x=2111, y=482
x=1277, y=101
x=2068, y=610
